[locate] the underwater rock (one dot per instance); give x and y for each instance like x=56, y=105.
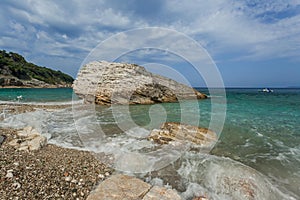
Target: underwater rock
x=223, y=178
x=120, y=83
x=174, y=131
x=161, y=193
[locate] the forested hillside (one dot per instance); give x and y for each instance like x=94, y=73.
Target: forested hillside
x=16, y=71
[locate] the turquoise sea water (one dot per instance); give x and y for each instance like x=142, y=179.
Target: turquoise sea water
x=261, y=130
x=36, y=94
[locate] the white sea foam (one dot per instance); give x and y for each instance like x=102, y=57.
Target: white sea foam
x=204, y=175
x=222, y=178
x=131, y=152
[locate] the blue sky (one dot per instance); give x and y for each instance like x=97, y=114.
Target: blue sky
x=253, y=43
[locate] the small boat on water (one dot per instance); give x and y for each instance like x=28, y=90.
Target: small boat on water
x=267, y=90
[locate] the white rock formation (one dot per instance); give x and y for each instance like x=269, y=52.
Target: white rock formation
x=119, y=83
x=28, y=139
x=174, y=131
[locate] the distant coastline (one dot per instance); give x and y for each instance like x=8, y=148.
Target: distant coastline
x=50, y=86
x=16, y=72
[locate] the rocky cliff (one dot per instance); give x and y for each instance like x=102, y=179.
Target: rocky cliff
x=119, y=83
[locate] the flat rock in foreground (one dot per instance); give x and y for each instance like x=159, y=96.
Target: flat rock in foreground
x=174, y=131
x=108, y=83
x=120, y=187
x=161, y=193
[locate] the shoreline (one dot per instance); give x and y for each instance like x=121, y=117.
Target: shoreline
x=15, y=108
x=51, y=172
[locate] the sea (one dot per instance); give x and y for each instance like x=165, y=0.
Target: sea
x=257, y=155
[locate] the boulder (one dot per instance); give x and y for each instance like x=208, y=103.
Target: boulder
x=174, y=131
x=119, y=187
x=161, y=193
x=36, y=143
x=119, y=83
x=28, y=139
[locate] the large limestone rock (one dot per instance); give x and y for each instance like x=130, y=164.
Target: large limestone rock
x=28, y=139
x=123, y=187
x=174, y=131
x=119, y=83
x=119, y=187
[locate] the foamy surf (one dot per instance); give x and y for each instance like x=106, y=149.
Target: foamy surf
x=88, y=128
x=222, y=178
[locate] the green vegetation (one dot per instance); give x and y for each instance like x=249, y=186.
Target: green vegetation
x=13, y=64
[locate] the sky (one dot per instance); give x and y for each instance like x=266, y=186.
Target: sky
x=252, y=43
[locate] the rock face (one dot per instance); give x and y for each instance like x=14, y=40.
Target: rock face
x=120, y=187
x=174, y=131
x=29, y=139
x=161, y=193
x=118, y=83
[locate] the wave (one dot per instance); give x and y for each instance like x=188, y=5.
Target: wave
x=223, y=178
x=212, y=176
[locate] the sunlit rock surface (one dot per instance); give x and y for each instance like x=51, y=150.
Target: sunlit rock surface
x=174, y=131
x=120, y=187
x=108, y=83
x=28, y=139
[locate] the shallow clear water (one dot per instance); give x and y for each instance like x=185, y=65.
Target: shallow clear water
x=36, y=94
x=261, y=131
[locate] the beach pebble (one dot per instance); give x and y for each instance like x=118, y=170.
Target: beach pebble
x=16, y=164
x=16, y=185
x=107, y=174
x=68, y=178
x=9, y=173
x=74, y=181
x=101, y=176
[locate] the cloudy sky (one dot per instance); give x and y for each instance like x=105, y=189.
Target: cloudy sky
x=254, y=43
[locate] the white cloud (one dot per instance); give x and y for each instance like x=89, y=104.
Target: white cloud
x=242, y=29
x=235, y=26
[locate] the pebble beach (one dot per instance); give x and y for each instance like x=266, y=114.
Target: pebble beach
x=49, y=173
